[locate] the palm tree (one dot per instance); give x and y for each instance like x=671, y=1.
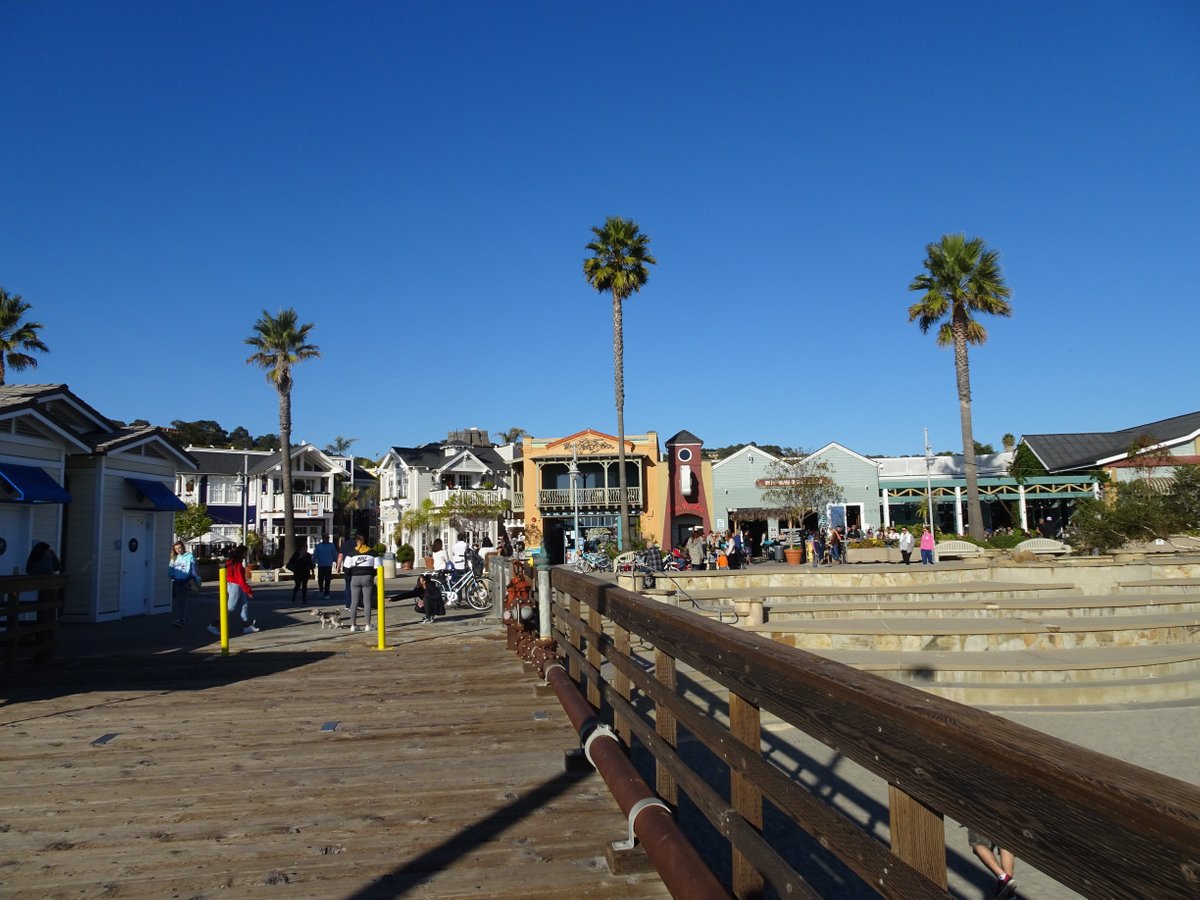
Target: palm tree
x=340, y=445
x=618, y=265
x=1008, y=441
x=279, y=343
x=17, y=338
x=961, y=279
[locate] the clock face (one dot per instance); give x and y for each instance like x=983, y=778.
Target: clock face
x=685, y=455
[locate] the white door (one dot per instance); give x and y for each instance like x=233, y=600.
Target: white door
x=14, y=538
x=137, y=555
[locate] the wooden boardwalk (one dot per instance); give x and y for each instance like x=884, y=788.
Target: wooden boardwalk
x=444, y=776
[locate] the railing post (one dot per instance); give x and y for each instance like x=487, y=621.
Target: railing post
x=593, y=658
x=918, y=835
x=665, y=727
x=622, y=685
x=573, y=639
x=744, y=794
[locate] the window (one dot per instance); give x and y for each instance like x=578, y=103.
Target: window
x=685, y=455
x=224, y=489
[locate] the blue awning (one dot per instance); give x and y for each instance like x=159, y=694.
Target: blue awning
x=158, y=494
x=29, y=484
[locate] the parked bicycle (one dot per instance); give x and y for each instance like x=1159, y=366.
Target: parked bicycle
x=592, y=562
x=466, y=588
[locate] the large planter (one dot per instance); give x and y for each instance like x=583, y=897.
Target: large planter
x=428, y=561
x=406, y=565
x=793, y=555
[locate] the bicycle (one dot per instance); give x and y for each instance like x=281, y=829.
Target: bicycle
x=592, y=562
x=476, y=592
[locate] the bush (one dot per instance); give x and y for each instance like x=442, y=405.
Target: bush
x=405, y=553
x=379, y=549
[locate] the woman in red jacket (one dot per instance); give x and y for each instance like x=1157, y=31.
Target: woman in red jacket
x=238, y=592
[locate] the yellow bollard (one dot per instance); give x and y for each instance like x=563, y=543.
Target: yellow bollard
x=224, y=614
x=379, y=609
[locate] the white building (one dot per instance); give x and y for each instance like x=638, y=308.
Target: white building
x=465, y=462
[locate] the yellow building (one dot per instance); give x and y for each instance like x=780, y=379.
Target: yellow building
x=545, y=501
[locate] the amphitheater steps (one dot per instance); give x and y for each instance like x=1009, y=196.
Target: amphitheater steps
x=1125, y=675
x=908, y=593
x=993, y=607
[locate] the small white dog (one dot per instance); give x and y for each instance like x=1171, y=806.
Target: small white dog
x=330, y=618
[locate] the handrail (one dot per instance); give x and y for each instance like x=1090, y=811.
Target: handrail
x=28, y=626
x=681, y=591
x=1099, y=825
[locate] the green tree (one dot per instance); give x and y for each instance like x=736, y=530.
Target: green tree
x=1008, y=441
x=620, y=255
x=468, y=511
x=423, y=519
x=18, y=336
x=240, y=439
x=962, y=279
x=279, y=343
x=340, y=445
x=801, y=487
x=512, y=435
x=192, y=523
x=201, y=433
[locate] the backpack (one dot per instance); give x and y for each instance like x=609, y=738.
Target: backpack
x=475, y=561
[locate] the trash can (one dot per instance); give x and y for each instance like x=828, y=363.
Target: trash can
x=777, y=552
x=389, y=565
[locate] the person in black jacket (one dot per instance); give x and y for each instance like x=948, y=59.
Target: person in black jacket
x=301, y=567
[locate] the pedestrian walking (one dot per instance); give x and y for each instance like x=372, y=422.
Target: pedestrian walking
x=906, y=546
x=999, y=862
x=301, y=567
x=184, y=580
x=237, y=592
x=324, y=558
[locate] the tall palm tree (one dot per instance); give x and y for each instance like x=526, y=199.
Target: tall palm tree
x=961, y=279
x=620, y=254
x=17, y=337
x=279, y=343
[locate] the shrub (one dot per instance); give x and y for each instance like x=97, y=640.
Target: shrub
x=405, y=553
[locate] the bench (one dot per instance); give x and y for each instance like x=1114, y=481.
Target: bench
x=1041, y=545
x=957, y=550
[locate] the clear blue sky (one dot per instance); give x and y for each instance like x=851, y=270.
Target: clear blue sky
x=419, y=180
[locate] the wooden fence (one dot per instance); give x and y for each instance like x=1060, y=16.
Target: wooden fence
x=29, y=624
x=1101, y=826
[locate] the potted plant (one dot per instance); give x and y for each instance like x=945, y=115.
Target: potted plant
x=405, y=556
x=793, y=554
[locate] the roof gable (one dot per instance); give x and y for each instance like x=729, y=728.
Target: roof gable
x=1081, y=450
x=749, y=448
x=835, y=446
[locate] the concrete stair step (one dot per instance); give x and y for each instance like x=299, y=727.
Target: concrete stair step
x=946, y=590
x=1159, y=585
x=991, y=607
x=1006, y=634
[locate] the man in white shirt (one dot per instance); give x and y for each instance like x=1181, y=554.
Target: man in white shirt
x=458, y=553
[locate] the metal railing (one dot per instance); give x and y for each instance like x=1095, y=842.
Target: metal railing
x=1101, y=826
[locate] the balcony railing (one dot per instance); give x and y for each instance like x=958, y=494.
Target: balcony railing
x=561, y=498
x=442, y=497
x=518, y=501
x=301, y=503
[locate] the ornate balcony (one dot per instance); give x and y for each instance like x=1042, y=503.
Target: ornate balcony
x=442, y=497
x=590, y=498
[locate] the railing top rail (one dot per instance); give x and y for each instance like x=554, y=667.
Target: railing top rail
x=1095, y=823
x=10, y=583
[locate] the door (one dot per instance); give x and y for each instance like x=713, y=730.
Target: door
x=14, y=538
x=137, y=576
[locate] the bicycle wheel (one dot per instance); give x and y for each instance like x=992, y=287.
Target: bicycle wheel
x=479, y=595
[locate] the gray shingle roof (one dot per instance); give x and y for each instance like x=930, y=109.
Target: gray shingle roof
x=1082, y=450
x=683, y=437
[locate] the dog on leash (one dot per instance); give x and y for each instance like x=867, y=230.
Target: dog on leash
x=330, y=618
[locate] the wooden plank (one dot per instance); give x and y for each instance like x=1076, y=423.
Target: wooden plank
x=622, y=685
x=665, y=727
x=918, y=835
x=438, y=779
x=744, y=794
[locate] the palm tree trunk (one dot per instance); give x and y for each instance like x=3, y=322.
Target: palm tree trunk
x=619, y=381
x=285, y=446
x=963, y=371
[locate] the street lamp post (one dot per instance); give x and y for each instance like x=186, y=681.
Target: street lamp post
x=573, y=471
x=245, y=482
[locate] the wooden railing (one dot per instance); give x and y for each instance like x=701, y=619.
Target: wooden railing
x=270, y=503
x=1101, y=826
x=28, y=625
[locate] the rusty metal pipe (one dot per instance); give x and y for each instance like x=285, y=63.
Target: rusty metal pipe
x=681, y=868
